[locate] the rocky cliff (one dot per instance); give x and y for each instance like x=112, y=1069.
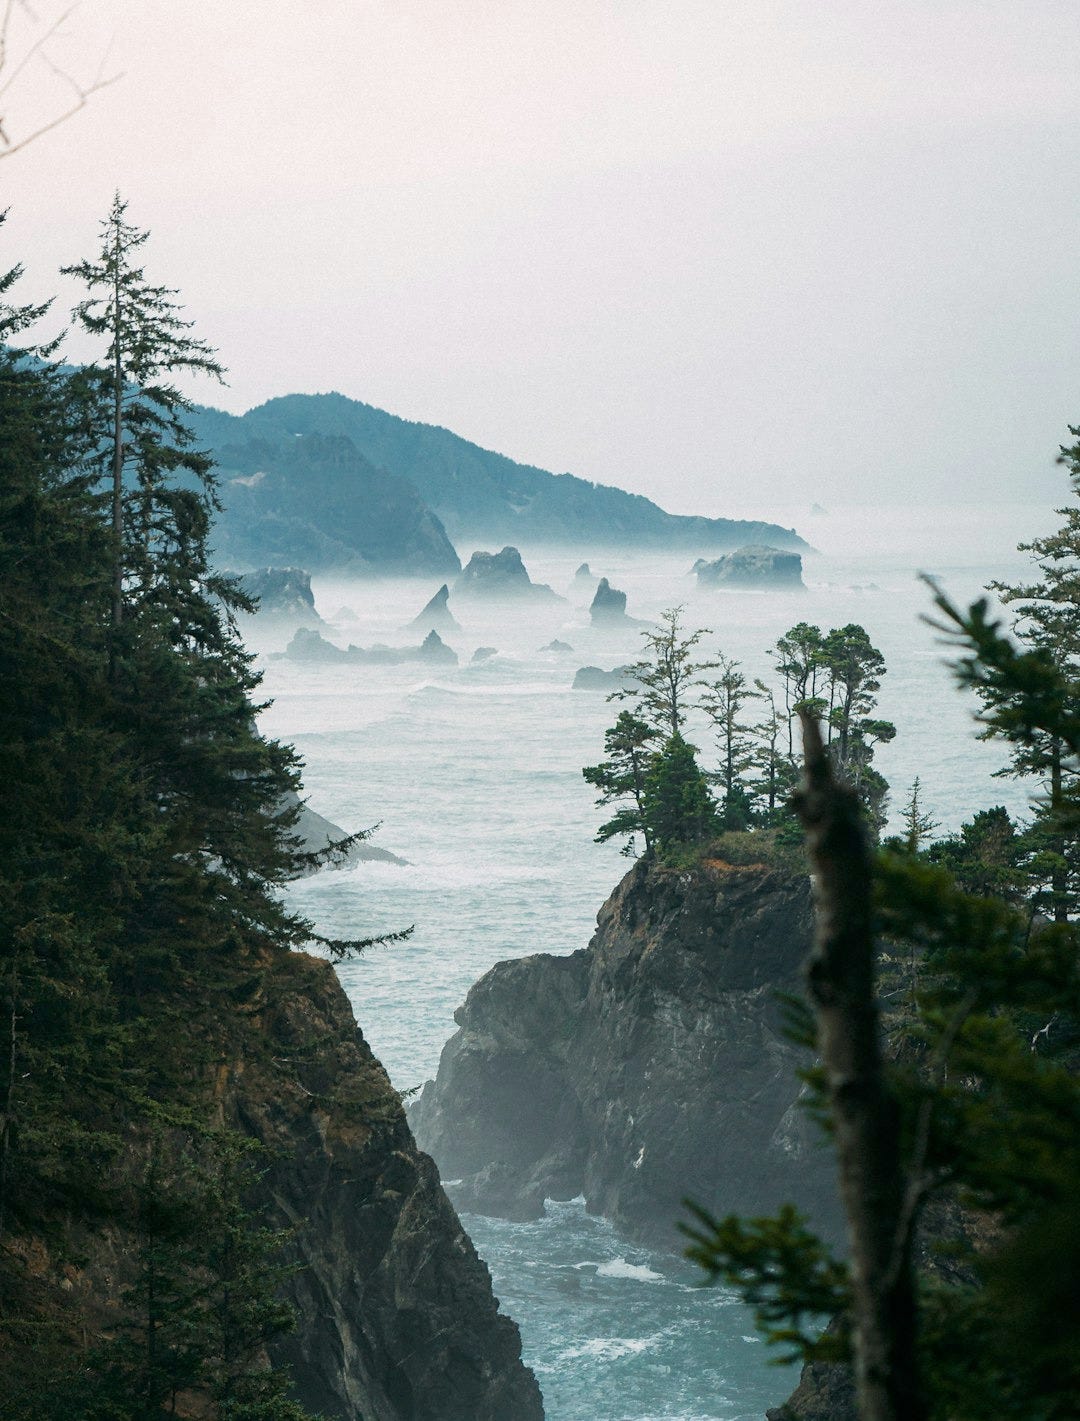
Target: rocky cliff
x=396, y=1319
x=650, y=1067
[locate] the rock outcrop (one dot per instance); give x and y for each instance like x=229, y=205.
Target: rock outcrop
x=309, y=645
x=595, y=678
x=753, y=566
x=650, y=1067
x=395, y=1315
x=397, y=1320
x=282, y=594
x=501, y=576
x=437, y=615
x=316, y=833
x=609, y=607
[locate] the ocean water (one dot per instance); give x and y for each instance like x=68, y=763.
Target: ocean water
x=474, y=775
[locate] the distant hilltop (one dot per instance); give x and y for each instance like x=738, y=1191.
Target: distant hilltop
x=299, y=471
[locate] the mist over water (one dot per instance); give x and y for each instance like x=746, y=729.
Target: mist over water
x=474, y=774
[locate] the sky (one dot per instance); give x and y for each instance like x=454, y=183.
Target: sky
x=726, y=253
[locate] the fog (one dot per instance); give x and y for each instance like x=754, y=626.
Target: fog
x=718, y=254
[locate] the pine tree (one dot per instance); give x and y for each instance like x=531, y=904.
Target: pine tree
x=136, y=411
x=668, y=676
x=630, y=748
x=676, y=804
x=723, y=700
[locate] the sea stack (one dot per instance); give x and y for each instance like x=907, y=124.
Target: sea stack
x=436, y=615
x=501, y=576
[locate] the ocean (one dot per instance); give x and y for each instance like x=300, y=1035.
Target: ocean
x=473, y=774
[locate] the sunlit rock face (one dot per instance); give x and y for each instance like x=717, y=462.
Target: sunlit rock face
x=753, y=566
x=650, y=1067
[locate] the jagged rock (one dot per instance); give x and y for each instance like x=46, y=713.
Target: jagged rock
x=500, y=576
x=308, y=645
x=584, y=574
x=650, y=1067
x=433, y=648
x=283, y=593
x=752, y=566
x=594, y=678
x=437, y=615
x=561, y=647
x=315, y=833
x=484, y=653
x=395, y=1315
x=609, y=607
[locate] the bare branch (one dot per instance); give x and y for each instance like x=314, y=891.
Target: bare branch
x=37, y=50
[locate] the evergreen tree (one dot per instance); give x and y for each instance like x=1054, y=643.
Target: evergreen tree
x=723, y=699
x=1047, y=622
x=135, y=410
x=629, y=744
x=668, y=676
x=677, y=807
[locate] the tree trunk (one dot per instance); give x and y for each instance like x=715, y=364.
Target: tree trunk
x=840, y=975
x=118, y=451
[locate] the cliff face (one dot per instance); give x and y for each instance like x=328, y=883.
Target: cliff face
x=648, y=1068
x=396, y=1319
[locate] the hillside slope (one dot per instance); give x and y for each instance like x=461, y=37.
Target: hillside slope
x=480, y=494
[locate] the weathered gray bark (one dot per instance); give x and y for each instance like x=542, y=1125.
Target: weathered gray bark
x=840, y=977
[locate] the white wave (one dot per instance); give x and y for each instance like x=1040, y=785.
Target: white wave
x=620, y=1268
x=608, y=1349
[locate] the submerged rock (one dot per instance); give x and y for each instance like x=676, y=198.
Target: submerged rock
x=752, y=566
x=499, y=576
x=650, y=1067
x=484, y=653
x=561, y=647
x=437, y=615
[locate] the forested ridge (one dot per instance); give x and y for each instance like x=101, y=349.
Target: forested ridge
x=145, y=829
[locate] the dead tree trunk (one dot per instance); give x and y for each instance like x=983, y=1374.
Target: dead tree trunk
x=865, y=1116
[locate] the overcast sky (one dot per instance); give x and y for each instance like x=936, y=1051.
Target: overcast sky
x=727, y=253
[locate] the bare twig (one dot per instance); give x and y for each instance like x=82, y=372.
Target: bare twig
x=36, y=50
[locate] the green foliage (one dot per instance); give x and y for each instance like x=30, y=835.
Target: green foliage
x=981, y=1007
x=677, y=806
x=783, y=1271
x=142, y=843
x=629, y=745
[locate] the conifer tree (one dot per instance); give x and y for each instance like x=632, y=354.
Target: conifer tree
x=668, y=676
x=136, y=409
x=630, y=747
x=723, y=700
x=677, y=806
